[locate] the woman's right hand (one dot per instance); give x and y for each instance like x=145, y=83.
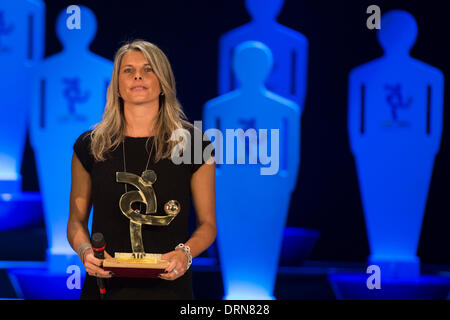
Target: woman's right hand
x=93, y=265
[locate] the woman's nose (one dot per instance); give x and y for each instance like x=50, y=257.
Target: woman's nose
x=138, y=75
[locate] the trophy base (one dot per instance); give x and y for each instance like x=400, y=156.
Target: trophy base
x=125, y=265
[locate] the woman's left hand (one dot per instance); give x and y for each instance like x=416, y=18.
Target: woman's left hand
x=177, y=265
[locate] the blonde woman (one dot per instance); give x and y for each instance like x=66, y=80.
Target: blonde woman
x=134, y=136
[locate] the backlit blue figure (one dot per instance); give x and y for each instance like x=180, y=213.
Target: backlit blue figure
x=289, y=49
x=252, y=197
x=395, y=120
x=21, y=46
x=69, y=98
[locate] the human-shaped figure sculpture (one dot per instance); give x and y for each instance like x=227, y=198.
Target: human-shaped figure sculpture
x=69, y=98
x=395, y=120
x=289, y=49
x=252, y=199
x=22, y=25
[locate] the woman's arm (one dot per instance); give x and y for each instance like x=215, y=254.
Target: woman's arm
x=80, y=207
x=204, y=199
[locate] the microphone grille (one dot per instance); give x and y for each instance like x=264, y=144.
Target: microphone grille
x=97, y=240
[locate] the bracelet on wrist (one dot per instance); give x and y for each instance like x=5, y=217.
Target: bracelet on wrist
x=82, y=248
x=187, y=251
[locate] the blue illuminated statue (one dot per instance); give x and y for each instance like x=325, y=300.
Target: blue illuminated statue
x=289, y=49
x=395, y=120
x=21, y=46
x=257, y=149
x=69, y=97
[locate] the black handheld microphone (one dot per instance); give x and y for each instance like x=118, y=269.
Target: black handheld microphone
x=98, y=246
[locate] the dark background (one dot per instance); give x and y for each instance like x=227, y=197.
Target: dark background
x=327, y=196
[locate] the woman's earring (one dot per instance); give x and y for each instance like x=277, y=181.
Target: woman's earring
x=161, y=94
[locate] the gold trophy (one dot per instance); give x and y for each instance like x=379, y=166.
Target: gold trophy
x=140, y=264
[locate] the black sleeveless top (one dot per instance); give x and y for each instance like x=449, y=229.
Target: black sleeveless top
x=172, y=183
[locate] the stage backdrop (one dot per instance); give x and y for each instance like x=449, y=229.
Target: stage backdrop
x=326, y=196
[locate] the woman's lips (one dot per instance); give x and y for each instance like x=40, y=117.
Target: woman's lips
x=138, y=88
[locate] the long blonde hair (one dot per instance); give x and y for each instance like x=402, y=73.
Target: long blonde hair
x=109, y=133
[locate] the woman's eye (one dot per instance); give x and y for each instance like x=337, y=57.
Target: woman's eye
x=128, y=70
x=148, y=69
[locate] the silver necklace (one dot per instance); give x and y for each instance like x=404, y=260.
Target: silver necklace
x=125, y=168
